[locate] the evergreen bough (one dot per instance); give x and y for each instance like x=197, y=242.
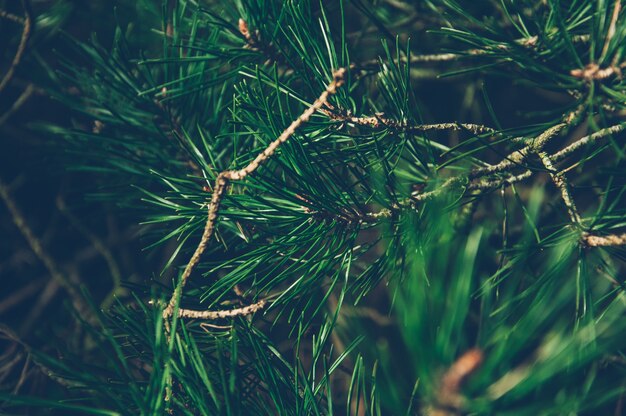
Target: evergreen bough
x=361, y=225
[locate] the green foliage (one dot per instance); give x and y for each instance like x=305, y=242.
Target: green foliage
x=388, y=236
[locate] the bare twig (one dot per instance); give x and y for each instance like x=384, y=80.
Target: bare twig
x=15, y=298
x=230, y=313
x=54, y=270
x=379, y=121
x=604, y=241
x=223, y=179
x=449, y=183
x=383, y=213
x=474, y=181
x=511, y=161
x=487, y=184
x=517, y=157
x=561, y=183
x=21, y=48
x=12, y=17
x=24, y=96
x=618, y=128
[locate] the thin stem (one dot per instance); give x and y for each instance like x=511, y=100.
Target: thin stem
x=562, y=154
x=517, y=157
x=487, y=184
x=11, y=16
x=561, y=183
x=230, y=313
x=604, y=241
x=24, y=96
x=511, y=161
x=223, y=179
x=39, y=251
x=15, y=298
x=21, y=48
x=381, y=122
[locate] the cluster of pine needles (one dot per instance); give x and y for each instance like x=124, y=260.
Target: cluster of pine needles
x=366, y=207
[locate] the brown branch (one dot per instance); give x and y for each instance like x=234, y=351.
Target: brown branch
x=517, y=157
x=230, y=313
x=511, y=161
x=54, y=270
x=487, y=184
x=15, y=298
x=561, y=154
x=450, y=182
x=378, y=121
x=223, y=179
x=561, y=183
x=12, y=17
x=21, y=48
x=604, y=241
x=24, y=96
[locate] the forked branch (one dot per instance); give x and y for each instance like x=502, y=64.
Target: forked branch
x=221, y=184
x=35, y=244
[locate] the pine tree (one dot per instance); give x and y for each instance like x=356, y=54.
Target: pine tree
x=375, y=206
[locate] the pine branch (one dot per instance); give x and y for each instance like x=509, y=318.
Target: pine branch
x=378, y=121
x=568, y=150
x=230, y=313
x=12, y=17
x=223, y=179
x=518, y=157
x=510, y=162
x=306, y=230
x=490, y=184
